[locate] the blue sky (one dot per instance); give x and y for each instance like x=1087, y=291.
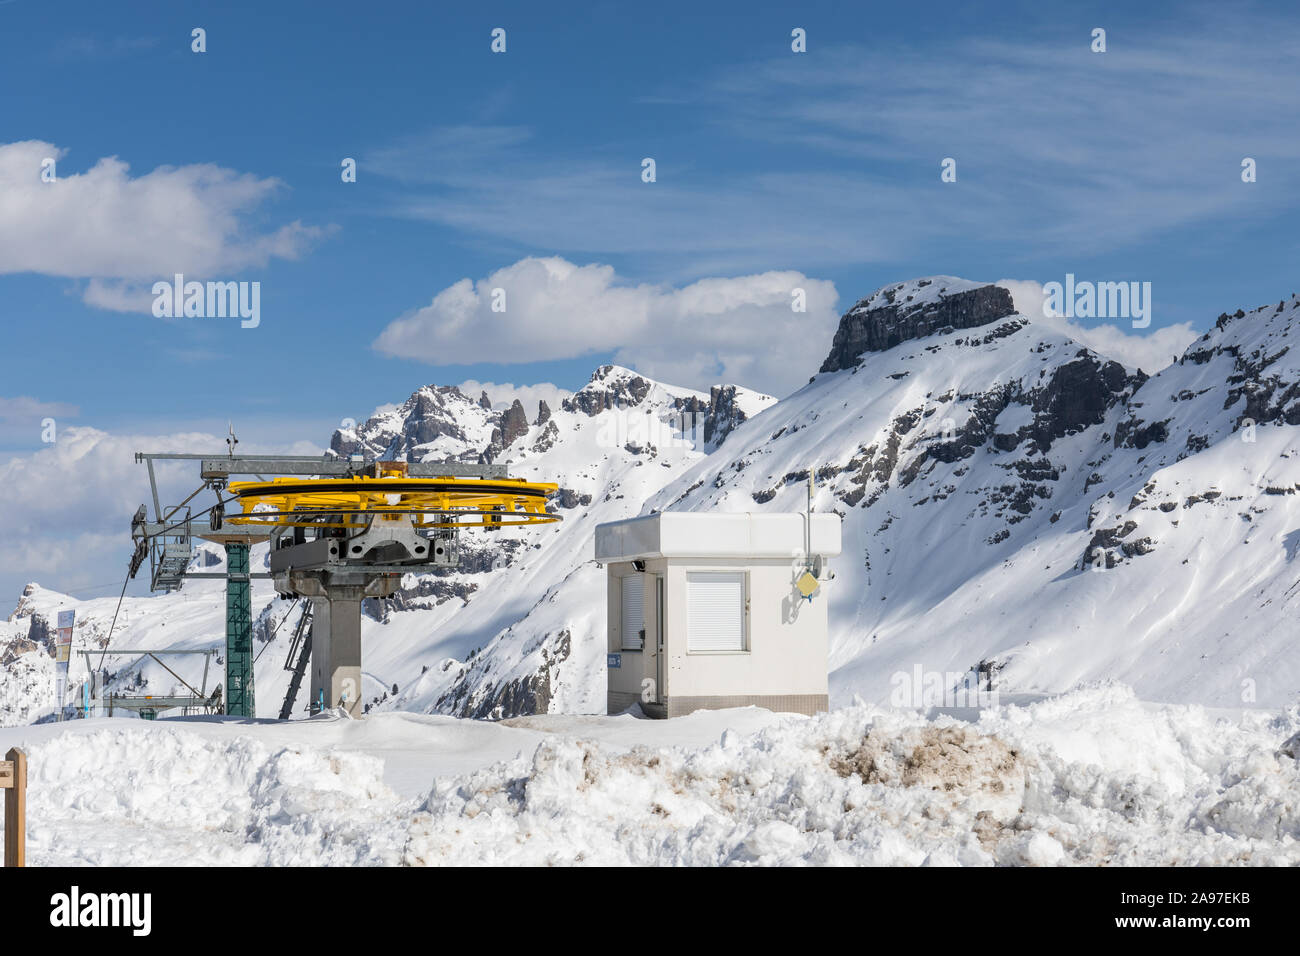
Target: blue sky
x=818, y=169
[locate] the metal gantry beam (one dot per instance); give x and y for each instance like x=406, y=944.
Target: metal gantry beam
x=148, y=704
x=223, y=466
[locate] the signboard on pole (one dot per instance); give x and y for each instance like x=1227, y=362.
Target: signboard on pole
x=63, y=652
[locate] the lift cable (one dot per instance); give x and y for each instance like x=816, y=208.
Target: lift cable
x=196, y=694
x=192, y=496
x=109, y=639
x=131, y=573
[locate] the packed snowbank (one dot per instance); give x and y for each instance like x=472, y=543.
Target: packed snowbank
x=1093, y=777
x=1090, y=777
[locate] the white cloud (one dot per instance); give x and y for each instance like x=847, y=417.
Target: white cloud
x=739, y=329
x=71, y=502
x=24, y=408
x=1150, y=351
x=502, y=395
x=104, y=224
x=118, y=296
x=22, y=418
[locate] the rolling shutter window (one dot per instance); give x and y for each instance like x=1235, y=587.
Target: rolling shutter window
x=633, y=611
x=715, y=611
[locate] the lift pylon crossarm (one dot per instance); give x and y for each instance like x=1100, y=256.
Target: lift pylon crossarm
x=442, y=502
x=199, y=698
x=222, y=466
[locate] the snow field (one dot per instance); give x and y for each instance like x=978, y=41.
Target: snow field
x=1091, y=777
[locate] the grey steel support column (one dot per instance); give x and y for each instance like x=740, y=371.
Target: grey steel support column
x=336, y=650
x=336, y=598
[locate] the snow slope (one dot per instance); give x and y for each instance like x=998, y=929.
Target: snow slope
x=1018, y=507
x=1018, y=510
x=517, y=628
x=1091, y=777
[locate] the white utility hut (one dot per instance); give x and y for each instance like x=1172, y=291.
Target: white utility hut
x=718, y=610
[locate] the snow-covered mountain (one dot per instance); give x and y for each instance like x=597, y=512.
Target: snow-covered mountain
x=1016, y=506
x=518, y=627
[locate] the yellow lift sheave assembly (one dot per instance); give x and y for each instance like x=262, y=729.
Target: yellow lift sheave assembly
x=349, y=503
x=340, y=532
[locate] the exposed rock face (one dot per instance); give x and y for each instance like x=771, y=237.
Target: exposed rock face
x=1258, y=375
x=547, y=439
x=911, y=311
x=514, y=423
x=40, y=629
x=721, y=413
x=428, y=591
x=475, y=695
x=1079, y=394
x=610, y=387
x=567, y=499
x=543, y=412
x=1244, y=368
x=16, y=649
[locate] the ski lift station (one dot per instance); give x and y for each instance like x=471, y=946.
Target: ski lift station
x=709, y=611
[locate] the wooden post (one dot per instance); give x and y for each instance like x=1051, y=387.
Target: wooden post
x=13, y=780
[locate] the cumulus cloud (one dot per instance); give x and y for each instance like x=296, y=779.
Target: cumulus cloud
x=741, y=329
x=123, y=231
x=118, y=296
x=22, y=417
x=24, y=408
x=1150, y=350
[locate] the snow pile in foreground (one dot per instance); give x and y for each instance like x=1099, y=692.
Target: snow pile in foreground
x=1093, y=777
x=175, y=798
x=1090, y=777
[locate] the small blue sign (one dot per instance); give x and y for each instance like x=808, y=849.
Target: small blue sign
x=66, y=618
x=614, y=660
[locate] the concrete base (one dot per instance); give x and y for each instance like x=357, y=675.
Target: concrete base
x=336, y=598
x=336, y=651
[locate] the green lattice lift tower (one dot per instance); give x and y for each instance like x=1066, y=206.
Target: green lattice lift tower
x=239, y=632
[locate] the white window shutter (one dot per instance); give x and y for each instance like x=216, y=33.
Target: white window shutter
x=633, y=611
x=715, y=611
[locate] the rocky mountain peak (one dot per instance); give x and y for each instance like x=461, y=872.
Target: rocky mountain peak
x=911, y=310
x=437, y=420
x=514, y=423
x=611, y=386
